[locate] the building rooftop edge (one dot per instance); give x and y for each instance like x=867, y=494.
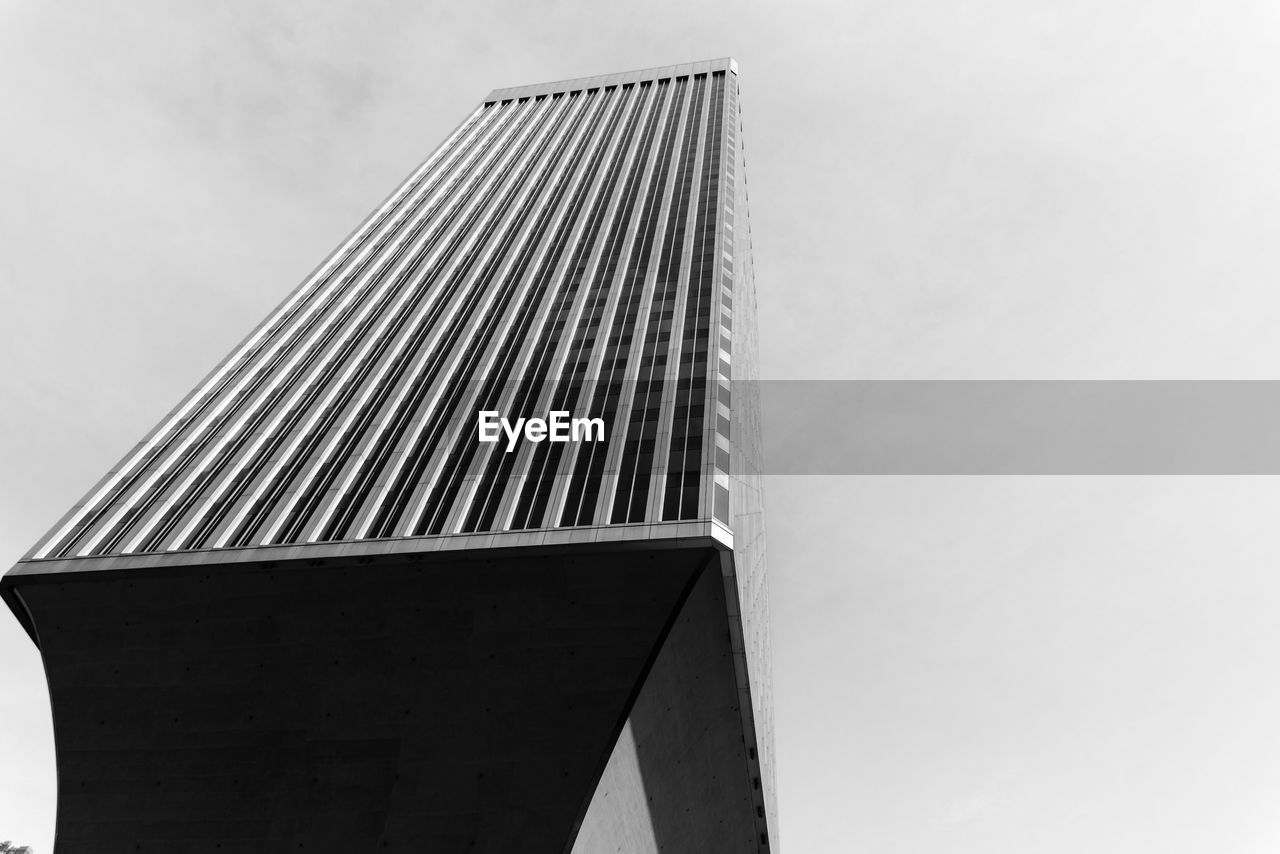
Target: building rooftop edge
x=705, y=66
x=634, y=535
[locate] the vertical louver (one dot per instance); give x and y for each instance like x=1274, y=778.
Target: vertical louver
x=567, y=248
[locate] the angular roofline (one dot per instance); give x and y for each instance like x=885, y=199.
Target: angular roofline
x=706, y=66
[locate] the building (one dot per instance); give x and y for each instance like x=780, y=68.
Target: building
x=315, y=610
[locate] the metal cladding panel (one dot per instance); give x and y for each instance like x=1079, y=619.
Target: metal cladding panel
x=561, y=251
x=739, y=403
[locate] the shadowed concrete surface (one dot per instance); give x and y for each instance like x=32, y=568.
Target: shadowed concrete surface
x=678, y=780
x=440, y=705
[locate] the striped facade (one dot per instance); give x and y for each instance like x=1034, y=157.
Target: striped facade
x=580, y=246
x=570, y=250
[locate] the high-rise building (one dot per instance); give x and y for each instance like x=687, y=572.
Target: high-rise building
x=332, y=603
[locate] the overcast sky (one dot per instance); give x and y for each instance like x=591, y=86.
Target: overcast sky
x=983, y=190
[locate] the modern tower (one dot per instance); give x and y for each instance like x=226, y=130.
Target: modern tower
x=315, y=610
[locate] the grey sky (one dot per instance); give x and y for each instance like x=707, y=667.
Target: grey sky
x=939, y=190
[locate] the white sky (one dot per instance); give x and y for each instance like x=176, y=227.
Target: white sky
x=939, y=190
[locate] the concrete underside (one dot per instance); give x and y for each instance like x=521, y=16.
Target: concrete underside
x=449, y=704
x=679, y=779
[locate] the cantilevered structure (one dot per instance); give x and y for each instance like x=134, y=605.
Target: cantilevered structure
x=313, y=611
